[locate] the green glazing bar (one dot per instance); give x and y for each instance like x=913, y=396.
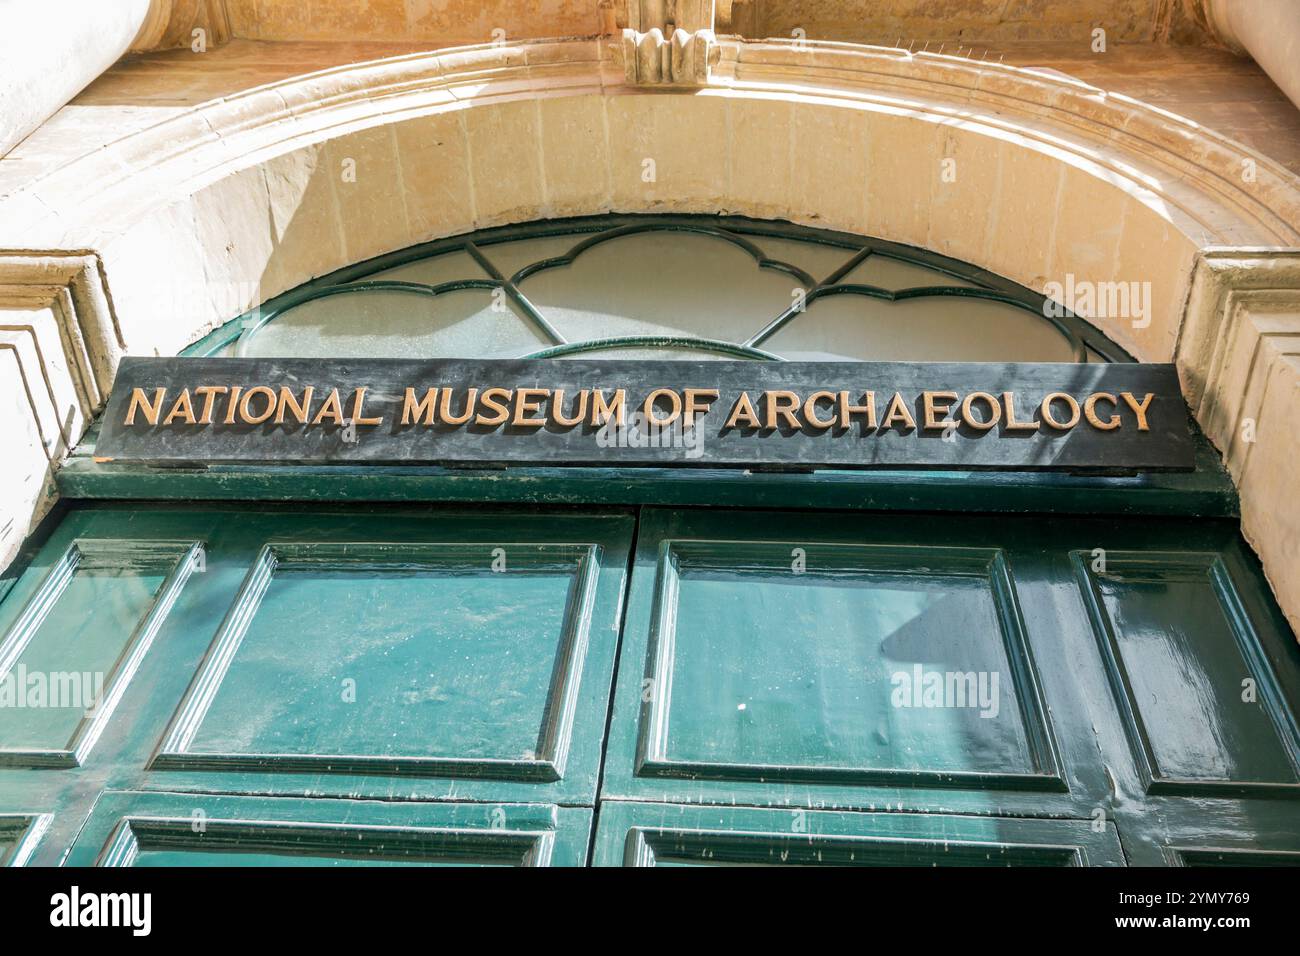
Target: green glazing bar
x=533, y=313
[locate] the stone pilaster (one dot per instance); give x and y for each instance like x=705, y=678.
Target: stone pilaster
x=59, y=346
x=1239, y=358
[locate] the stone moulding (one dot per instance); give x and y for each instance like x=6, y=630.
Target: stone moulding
x=1181, y=153
x=72, y=284
x=1226, y=284
x=681, y=59
x=1159, y=154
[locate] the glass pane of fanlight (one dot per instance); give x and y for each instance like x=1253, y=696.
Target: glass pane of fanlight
x=928, y=329
x=894, y=275
x=665, y=283
x=510, y=257
x=817, y=259
x=444, y=268
x=382, y=324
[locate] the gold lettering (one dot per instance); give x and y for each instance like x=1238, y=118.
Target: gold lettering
x=444, y=407
x=246, y=402
x=847, y=411
x=783, y=404
x=288, y=402
x=1090, y=411
x=413, y=408
x=932, y=410
x=181, y=408
x=557, y=408
x=898, y=410
x=674, y=404
x=330, y=408
x=139, y=402
x=696, y=407
x=494, y=399
x=358, y=400
x=526, y=405
x=995, y=411
x=234, y=404
x=742, y=413
x=1139, y=409
x=810, y=409
x=1051, y=419
x=209, y=393
x=1009, y=400
x=602, y=411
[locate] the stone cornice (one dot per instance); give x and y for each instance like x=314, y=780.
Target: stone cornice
x=1222, y=277
x=73, y=282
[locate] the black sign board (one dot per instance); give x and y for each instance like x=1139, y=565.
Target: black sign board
x=1094, y=417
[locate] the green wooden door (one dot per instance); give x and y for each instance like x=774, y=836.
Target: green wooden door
x=1123, y=682
x=295, y=686
x=275, y=679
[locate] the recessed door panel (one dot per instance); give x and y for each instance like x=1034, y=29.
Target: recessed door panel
x=653, y=834
x=440, y=659
x=156, y=829
x=438, y=656
x=782, y=659
x=786, y=658
x=19, y=836
x=1201, y=704
x=70, y=650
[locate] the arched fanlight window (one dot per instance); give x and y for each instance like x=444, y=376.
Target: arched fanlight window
x=691, y=287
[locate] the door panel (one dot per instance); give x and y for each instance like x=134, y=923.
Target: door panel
x=716, y=654
x=158, y=829
x=455, y=669
x=1200, y=703
x=1200, y=831
x=77, y=640
x=835, y=660
x=656, y=834
x=449, y=657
